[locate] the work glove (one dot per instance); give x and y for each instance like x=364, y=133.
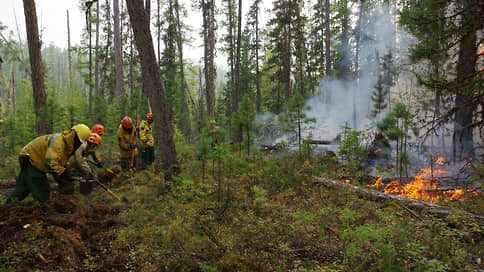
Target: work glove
x=66, y=175
x=133, y=146
x=90, y=176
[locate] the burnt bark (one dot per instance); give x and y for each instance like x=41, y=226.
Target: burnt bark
x=153, y=86
x=38, y=86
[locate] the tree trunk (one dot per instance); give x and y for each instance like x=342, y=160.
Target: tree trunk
x=286, y=62
x=208, y=9
x=464, y=137
x=40, y=97
x=118, y=53
x=14, y=95
x=231, y=94
x=89, y=32
x=96, y=53
x=327, y=35
x=200, y=96
x=131, y=65
x=358, y=32
x=108, y=45
x=153, y=86
x=148, y=10
x=237, y=60
x=257, y=71
x=185, y=121
x=69, y=54
x=158, y=30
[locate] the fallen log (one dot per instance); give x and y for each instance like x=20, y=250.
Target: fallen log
x=380, y=196
x=319, y=142
x=267, y=147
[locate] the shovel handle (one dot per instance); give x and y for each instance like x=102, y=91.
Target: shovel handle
x=113, y=194
x=108, y=190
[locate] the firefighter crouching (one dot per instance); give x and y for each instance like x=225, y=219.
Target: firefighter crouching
x=78, y=159
x=47, y=154
x=99, y=130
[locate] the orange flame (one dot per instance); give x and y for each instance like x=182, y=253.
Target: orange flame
x=423, y=188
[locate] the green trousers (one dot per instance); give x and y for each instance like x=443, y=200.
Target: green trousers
x=147, y=156
x=30, y=180
x=126, y=164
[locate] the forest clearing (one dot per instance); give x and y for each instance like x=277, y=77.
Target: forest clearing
x=307, y=135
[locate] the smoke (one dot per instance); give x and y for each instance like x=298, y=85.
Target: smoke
x=341, y=101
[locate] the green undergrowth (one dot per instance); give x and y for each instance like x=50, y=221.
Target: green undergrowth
x=236, y=213
x=269, y=215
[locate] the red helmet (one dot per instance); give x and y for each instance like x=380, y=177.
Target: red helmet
x=149, y=116
x=126, y=122
x=94, y=139
x=98, y=129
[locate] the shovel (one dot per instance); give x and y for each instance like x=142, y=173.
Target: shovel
x=111, y=192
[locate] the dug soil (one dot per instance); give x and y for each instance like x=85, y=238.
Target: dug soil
x=67, y=233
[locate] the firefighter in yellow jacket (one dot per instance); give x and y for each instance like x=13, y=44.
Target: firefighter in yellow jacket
x=127, y=144
x=147, y=141
x=47, y=154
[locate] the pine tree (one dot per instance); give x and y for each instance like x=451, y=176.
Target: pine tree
x=440, y=36
x=379, y=98
x=280, y=45
x=244, y=121
x=255, y=45
x=43, y=125
x=295, y=119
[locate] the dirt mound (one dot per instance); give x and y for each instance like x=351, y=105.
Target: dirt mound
x=64, y=234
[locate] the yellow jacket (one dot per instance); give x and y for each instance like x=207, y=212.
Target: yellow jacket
x=50, y=153
x=145, y=134
x=125, y=139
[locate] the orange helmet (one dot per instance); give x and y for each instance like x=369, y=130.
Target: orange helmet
x=149, y=116
x=94, y=139
x=126, y=122
x=98, y=129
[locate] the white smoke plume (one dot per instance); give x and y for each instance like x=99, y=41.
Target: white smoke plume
x=346, y=101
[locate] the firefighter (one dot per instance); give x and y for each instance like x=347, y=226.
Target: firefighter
x=127, y=144
x=147, y=141
x=99, y=130
x=48, y=154
x=78, y=159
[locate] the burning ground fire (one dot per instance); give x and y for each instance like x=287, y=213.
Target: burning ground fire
x=424, y=186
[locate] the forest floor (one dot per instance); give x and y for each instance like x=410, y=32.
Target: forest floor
x=200, y=226
x=66, y=233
